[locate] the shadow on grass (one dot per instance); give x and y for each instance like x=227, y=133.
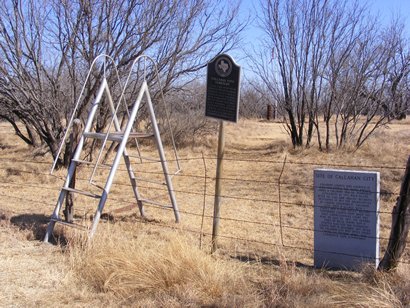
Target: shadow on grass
x=269, y=261
x=268, y=148
x=37, y=225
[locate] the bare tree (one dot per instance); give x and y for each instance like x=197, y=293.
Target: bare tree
x=328, y=59
x=46, y=48
x=366, y=95
x=293, y=60
x=398, y=68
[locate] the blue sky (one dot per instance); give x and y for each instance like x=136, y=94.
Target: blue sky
x=388, y=8
x=384, y=9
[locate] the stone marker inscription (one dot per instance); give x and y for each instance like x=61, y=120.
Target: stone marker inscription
x=222, y=89
x=346, y=218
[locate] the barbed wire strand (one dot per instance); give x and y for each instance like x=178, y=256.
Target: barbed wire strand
x=223, y=236
x=279, y=162
x=198, y=193
x=204, y=193
x=281, y=225
x=308, y=186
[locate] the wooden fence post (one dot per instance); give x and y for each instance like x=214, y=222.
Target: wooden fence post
x=72, y=146
x=400, y=225
x=218, y=186
x=268, y=112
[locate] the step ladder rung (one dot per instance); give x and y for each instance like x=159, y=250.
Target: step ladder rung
x=69, y=224
x=115, y=136
x=80, y=161
x=150, y=181
x=82, y=192
x=156, y=160
x=87, y=162
x=101, y=165
x=140, y=135
x=156, y=203
x=97, y=185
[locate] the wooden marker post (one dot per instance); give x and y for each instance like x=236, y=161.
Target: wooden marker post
x=222, y=103
x=218, y=185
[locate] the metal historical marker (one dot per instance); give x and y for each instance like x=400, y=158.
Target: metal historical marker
x=222, y=89
x=222, y=103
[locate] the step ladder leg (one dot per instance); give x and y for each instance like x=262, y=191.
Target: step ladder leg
x=133, y=183
x=169, y=183
x=70, y=174
x=62, y=196
x=118, y=156
x=55, y=215
x=131, y=174
x=98, y=213
x=162, y=157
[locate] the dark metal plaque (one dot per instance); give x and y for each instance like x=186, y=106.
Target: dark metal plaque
x=222, y=89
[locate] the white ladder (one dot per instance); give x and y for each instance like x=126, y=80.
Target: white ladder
x=122, y=138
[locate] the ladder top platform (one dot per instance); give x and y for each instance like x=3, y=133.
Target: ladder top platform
x=116, y=136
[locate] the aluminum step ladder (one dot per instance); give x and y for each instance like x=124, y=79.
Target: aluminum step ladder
x=121, y=137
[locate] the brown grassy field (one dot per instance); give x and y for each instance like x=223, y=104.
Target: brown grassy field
x=265, y=254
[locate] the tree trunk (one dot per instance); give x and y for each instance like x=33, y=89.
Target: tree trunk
x=293, y=129
x=71, y=147
x=400, y=225
x=310, y=128
x=327, y=142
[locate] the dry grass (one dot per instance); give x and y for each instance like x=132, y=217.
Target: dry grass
x=34, y=274
x=132, y=262
x=159, y=271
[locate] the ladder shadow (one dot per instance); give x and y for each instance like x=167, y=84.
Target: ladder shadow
x=270, y=261
x=37, y=225
x=332, y=273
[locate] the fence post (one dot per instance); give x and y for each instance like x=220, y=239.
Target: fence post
x=280, y=201
x=400, y=225
x=74, y=139
x=204, y=202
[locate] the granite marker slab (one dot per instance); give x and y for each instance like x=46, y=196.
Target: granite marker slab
x=346, y=218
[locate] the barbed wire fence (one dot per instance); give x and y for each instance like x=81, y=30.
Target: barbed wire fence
x=267, y=206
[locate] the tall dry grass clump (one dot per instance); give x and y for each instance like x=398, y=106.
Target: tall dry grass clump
x=150, y=272
x=373, y=288
x=290, y=286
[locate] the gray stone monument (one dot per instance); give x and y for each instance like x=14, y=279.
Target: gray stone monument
x=346, y=218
